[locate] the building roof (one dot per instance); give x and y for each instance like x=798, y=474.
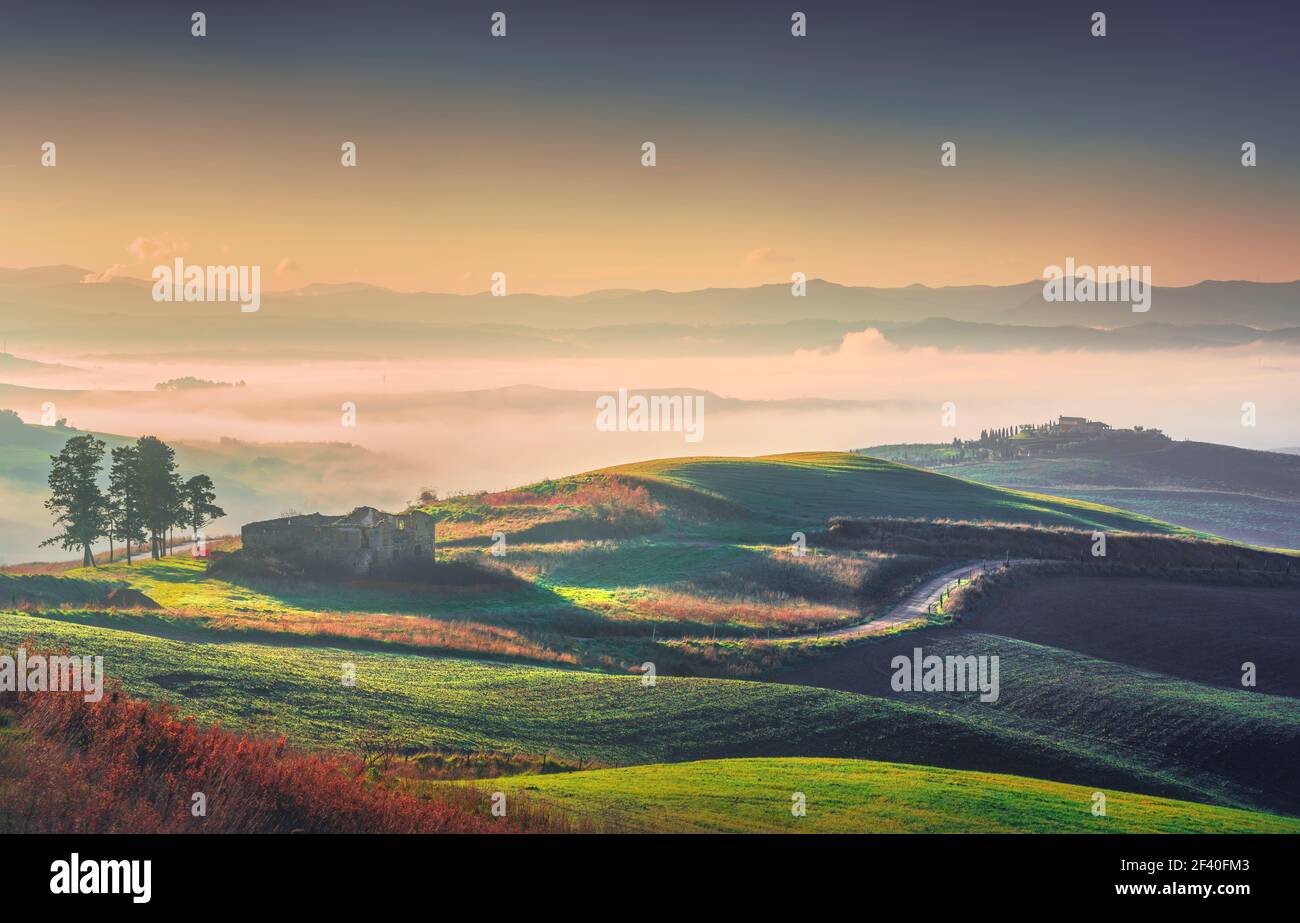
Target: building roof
x=364, y=517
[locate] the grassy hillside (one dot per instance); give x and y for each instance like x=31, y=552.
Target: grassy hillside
x=50, y=591
x=680, y=562
x=802, y=491
x=600, y=604
x=457, y=704
x=860, y=796
x=1151, y=723
x=1061, y=716
x=1242, y=494
x=1263, y=521
x=181, y=582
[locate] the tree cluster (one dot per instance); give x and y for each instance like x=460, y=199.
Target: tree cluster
x=145, y=498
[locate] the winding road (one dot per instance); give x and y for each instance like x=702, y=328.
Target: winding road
x=915, y=607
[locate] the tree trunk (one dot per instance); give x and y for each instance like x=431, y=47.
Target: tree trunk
x=110, y=546
x=87, y=559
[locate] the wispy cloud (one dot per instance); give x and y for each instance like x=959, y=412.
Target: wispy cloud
x=108, y=275
x=162, y=246
x=766, y=256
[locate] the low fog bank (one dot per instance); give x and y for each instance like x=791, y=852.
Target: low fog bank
x=475, y=424
x=1194, y=394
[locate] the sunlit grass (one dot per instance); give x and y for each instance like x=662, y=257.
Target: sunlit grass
x=802, y=490
x=860, y=796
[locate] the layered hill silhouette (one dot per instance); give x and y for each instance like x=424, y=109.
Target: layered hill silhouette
x=45, y=302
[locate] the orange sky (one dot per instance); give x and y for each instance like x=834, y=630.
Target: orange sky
x=561, y=209
x=525, y=158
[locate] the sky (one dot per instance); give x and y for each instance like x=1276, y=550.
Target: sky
x=775, y=154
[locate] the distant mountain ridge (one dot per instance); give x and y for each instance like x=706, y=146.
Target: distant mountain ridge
x=1263, y=305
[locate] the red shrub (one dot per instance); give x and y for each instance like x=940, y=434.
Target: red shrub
x=125, y=766
x=607, y=498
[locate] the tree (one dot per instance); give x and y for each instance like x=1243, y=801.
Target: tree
x=75, y=497
x=160, y=490
x=197, y=498
x=124, y=501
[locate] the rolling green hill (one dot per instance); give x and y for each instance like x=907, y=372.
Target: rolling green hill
x=717, y=546
x=464, y=704
x=461, y=704
x=1242, y=494
x=1154, y=724
x=54, y=592
x=803, y=490
x=860, y=796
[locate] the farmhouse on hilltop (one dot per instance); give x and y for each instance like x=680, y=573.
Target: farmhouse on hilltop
x=1080, y=425
x=363, y=541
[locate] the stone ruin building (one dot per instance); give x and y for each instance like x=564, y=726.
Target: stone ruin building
x=363, y=541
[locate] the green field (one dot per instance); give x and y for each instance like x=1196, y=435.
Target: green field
x=180, y=582
x=1155, y=725
x=1247, y=496
x=607, y=589
x=462, y=704
x=802, y=491
x=450, y=703
x=859, y=796
x=268, y=654
x=49, y=590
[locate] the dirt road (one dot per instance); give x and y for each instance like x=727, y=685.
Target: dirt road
x=915, y=608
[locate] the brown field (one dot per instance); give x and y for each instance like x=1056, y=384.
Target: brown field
x=1147, y=669
x=959, y=539
x=1196, y=632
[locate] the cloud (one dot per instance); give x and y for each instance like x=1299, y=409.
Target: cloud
x=861, y=344
x=148, y=249
x=108, y=275
x=286, y=265
x=766, y=256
